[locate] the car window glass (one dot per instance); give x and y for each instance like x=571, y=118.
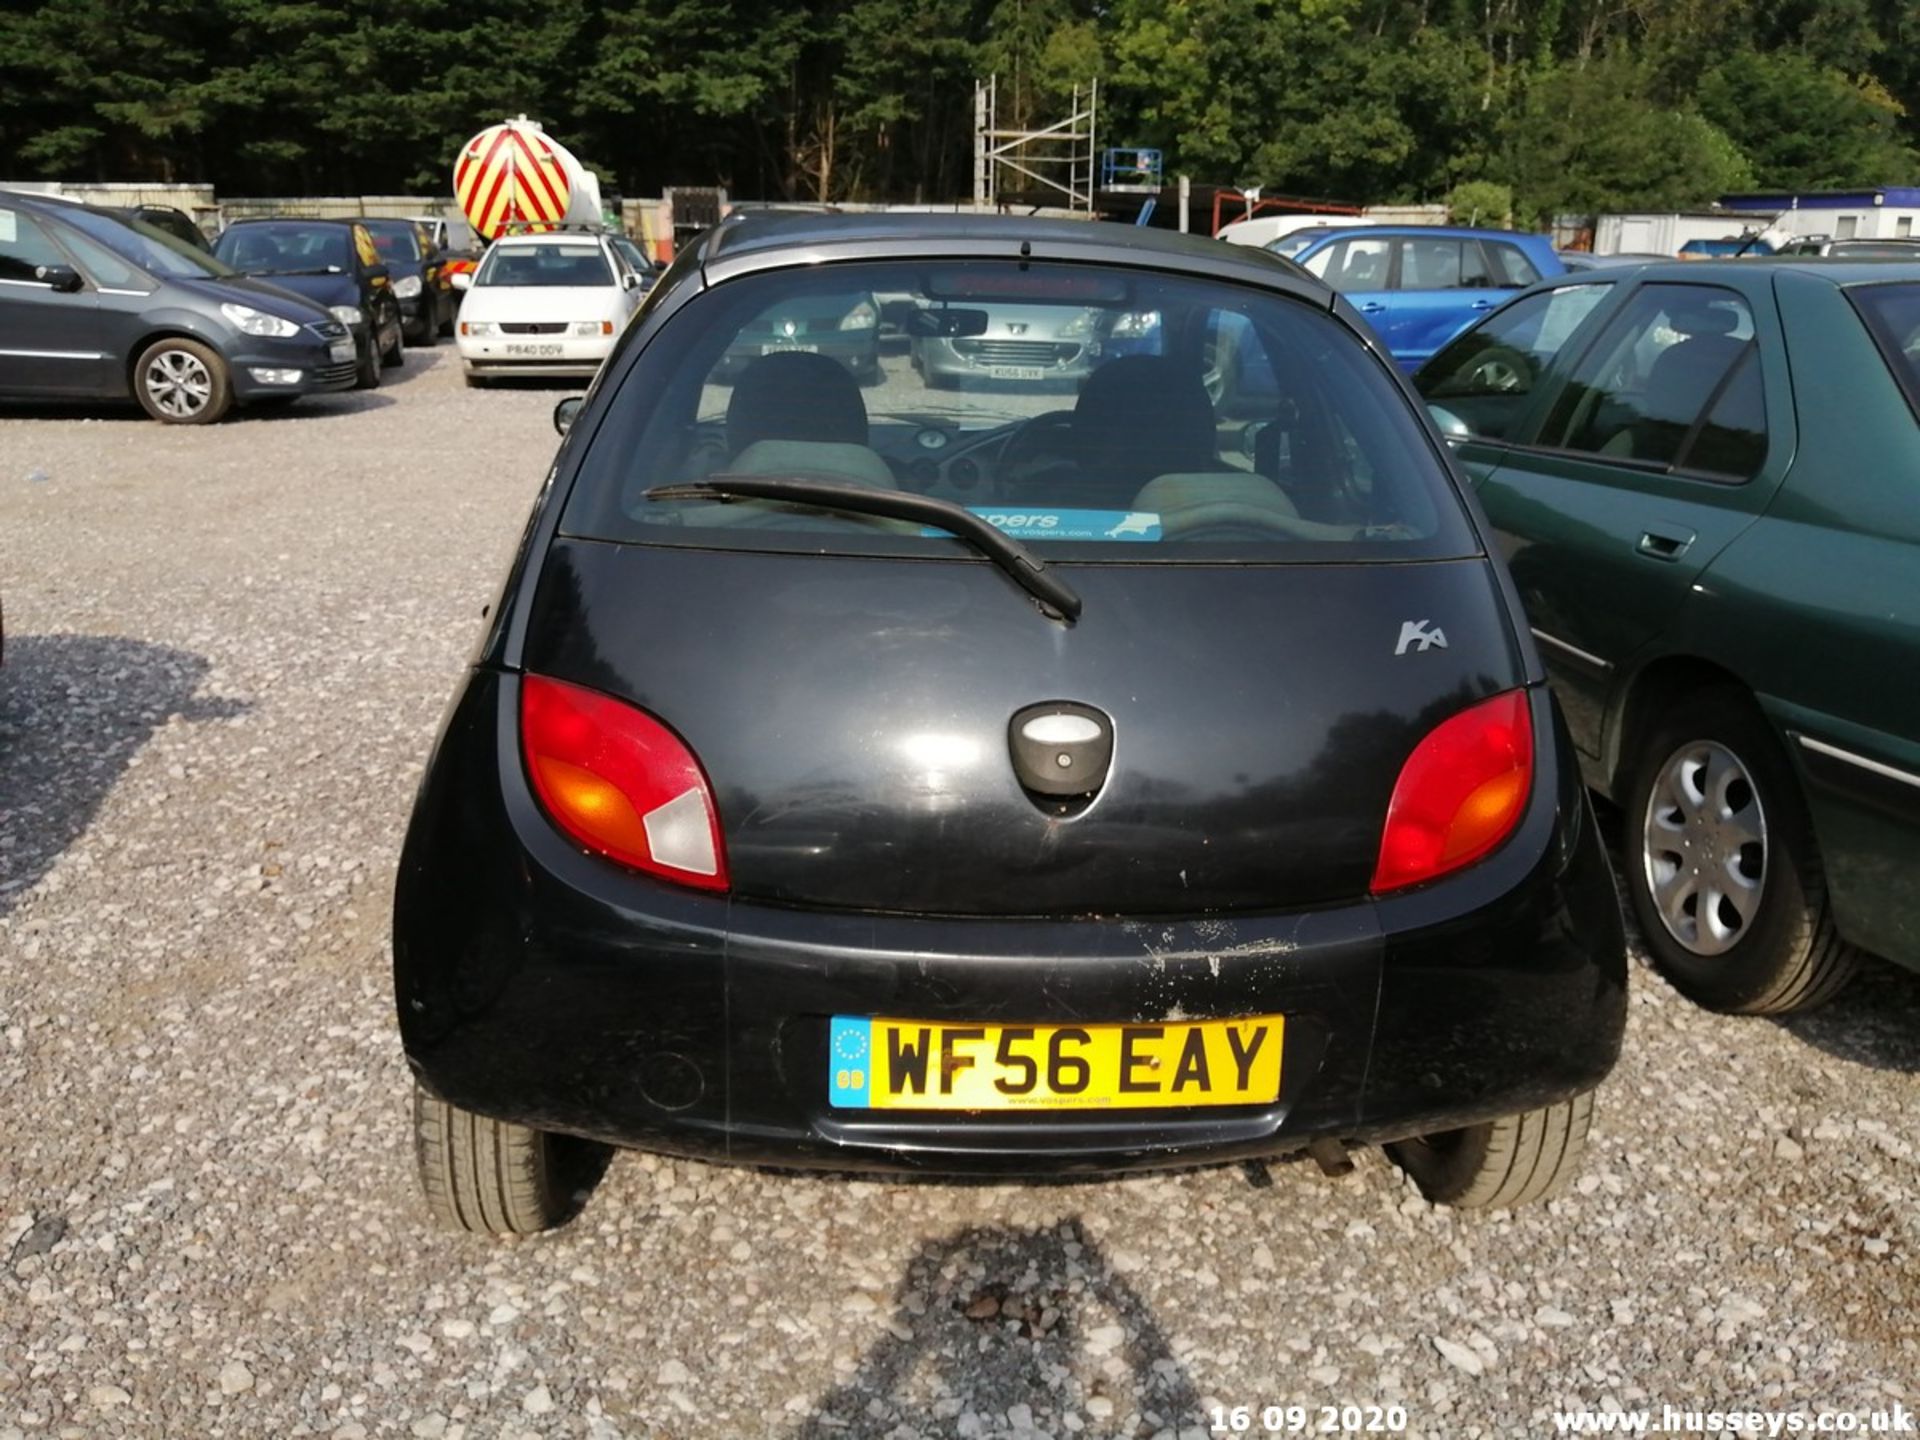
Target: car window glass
x=1486, y=375
x=1359, y=263
x=102, y=266
x=147, y=246
x=268, y=249
x=1154, y=416
x=1892, y=313
x=24, y=246
x=1639, y=392
x=558, y=264
x=400, y=243
x=1511, y=264
x=1429, y=264
x=1473, y=266
x=1732, y=440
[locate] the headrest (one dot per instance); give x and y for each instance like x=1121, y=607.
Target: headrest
x=795, y=395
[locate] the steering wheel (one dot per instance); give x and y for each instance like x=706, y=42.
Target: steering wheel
x=1500, y=372
x=1045, y=437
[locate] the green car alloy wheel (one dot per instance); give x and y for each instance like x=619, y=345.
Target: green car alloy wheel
x=1728, y=887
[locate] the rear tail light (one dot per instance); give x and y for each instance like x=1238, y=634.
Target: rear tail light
x=621, y=783
x=1460, y=793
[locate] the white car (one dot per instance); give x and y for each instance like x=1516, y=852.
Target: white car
x=546, y=304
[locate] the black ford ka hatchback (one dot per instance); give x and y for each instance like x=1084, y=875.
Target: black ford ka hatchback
x=1002, y=779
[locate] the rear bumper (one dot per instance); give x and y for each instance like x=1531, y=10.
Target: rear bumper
x=540, y=985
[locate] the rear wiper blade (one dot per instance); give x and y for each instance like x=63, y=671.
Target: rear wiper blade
x=1028, y=570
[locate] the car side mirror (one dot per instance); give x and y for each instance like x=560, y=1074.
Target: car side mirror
x=629, y=281
x=566, y=412
x=1452, y=428
x=461, y=279
x=63, y=278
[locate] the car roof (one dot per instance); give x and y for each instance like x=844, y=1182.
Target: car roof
x=296, y=220
x=1458, y=232
x=893, y=234
x=551, y=237
x=1837, y=270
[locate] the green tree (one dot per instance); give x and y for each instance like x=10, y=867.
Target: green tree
x=1807, y=126
x=1590, y=138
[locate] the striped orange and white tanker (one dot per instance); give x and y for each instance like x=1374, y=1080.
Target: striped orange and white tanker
x=515, y=176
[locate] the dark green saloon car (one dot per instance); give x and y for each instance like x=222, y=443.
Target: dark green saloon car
x=1706, y=480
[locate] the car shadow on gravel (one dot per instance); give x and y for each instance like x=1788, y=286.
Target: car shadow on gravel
x=1875, y=1021
x=994, y=1317
x=420, y=361
x=74, y=709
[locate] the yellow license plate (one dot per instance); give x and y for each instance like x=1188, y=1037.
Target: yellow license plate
x=880, y=1064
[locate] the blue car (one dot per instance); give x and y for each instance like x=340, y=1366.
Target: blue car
x=1420, y=285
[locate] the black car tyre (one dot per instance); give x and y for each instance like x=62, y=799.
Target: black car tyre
x=1722, y=870
x=1501, y=1163
x=396, y=353
x=475, y=382
x=182, y=382
x=485, y=1176
x=366, y=375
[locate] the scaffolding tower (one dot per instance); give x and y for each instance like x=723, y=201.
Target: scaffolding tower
x=1040, y=156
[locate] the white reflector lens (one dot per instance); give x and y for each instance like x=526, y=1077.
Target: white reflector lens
x=1060, y=729
x=679, y=834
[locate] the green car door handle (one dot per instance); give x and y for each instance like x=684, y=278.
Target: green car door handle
x=1665, y=542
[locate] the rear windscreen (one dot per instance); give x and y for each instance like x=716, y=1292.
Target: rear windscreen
x=1110, y=412
x=1892, y=313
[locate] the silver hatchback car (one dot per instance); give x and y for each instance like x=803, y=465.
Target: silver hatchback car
x=1023, y=345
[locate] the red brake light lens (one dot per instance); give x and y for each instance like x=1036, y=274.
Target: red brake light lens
x=1460, y=793
x=621, y=783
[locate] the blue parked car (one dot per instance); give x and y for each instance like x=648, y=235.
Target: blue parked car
x=1420, y=285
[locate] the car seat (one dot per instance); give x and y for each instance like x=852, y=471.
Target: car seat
x=1679, y=384
x=796, y=413
x=1217, y=505
x=1138, y=417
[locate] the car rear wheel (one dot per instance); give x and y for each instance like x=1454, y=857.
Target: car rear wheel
x=1727, y=884
x=396, y=353
x=182, y=382
x=1501, y=1163
x=366, y=373
x=485, y=1176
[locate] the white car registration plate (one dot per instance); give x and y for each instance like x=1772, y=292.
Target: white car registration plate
x=1016, y=372
x=783, y=345
x=340, y=350
x=550, y=351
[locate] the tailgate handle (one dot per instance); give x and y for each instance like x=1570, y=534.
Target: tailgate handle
x=1665, y=542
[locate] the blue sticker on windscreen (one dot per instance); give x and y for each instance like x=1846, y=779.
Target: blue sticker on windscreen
x=1053, y=524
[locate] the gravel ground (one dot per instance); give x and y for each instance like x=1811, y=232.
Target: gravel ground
x=227, y=652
